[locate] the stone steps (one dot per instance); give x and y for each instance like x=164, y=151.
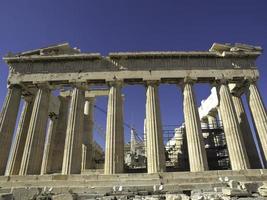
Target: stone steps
x=170, y=180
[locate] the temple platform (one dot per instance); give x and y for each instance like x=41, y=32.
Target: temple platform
x=98, y=183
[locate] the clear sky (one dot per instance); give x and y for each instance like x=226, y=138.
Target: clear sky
x=134, y=25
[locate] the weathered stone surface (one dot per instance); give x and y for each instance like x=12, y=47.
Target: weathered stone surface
x=8, y=118
x=34, y=146
x=88, y=133
x=235, y=192
x=56, y=153
x=6, y=196
x=258, y=112
x=62, y=66
x=73, y=144
x=65, y=196
x=250, y=187
x=233, y=184
x=263, y=190
x=235, y=144
x=154, y=138
x=49, y=140
x=173, y=197
x=114, y=152
x=249, y=142
x=14, y=164
x=25, y=193
x=94, y=66
x=195, y=143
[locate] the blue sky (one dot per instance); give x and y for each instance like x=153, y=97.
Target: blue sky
x=134, y=25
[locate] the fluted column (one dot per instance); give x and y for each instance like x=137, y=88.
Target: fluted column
x=20, y=139
x=249, y=142
x=258, y=112
x=114, y=150
x=145, y=140
x=34, y=146
x=88, y=132
x=212, y=122
x=50, y=139
x=74, y=136
x=7, y=124
x=237, y=151
x=196, y=150
x=56, y=152
x=84, y=152
x=154, y=138
x=133, y=141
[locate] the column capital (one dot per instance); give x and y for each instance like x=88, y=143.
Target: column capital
x=43, y=85
x=90, y=99
x=28, y=98
x=186, y=80
x=221, y=81
x=80, y=85
x=10, y=86
x=115, y=83
x=189, y=80
x=250, y=80
x=237, y=89
x=152, y=83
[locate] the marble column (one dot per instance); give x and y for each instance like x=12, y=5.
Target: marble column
x=50, y=139
x=249, y=142
x=20, y=139
x=88, y=131
x=133, y=141
x=258, y=112
x=145, y=143
x=212, y=122
x=154, y=137
x=73, y=144
x=7, y=124
x=84, y=152
x=56, y=152
x=34, y=146
x=196, y=150
x=114, y=150
x=236, y=148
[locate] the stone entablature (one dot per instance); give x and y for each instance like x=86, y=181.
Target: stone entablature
x=68, y=66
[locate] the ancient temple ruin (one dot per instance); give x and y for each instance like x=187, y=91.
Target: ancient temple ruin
x=65, y=119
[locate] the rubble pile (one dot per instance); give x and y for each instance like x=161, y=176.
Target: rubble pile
x=229, y=189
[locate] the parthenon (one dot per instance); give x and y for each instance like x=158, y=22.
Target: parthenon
x=54, y=134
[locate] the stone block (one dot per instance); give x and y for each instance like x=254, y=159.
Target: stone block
x=250, y=187
x=108, y=198
x=25, y=193
x=173, y=197
x=235, y=192
x=263, y=190
x=184, y=197
x=197, y=196
x=151, y=198
x=65, y=196
x=252, y=198
x=6, y=196
x=5, y=190
x=233, y=184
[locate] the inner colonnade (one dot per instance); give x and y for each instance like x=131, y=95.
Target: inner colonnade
x=68, y=150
